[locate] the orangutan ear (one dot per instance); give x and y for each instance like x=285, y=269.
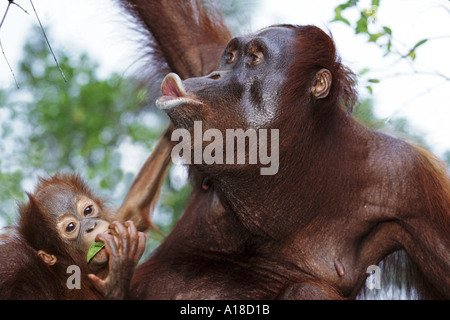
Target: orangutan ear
x=322, y=84
x=49, y=259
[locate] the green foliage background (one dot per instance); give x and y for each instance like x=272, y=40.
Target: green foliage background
x=79, y=126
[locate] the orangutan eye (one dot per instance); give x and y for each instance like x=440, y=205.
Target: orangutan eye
x=88, y=210
x=230, y=57
x=256, y=58
x=70, y=227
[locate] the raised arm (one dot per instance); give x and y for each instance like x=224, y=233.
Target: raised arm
x=188, y=35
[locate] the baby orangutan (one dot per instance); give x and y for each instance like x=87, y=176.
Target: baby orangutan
x=61, y=221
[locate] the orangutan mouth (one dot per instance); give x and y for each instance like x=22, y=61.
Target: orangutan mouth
x=174, y=93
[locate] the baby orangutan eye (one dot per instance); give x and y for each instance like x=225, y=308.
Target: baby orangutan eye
x=88, y=210
x=70, y=227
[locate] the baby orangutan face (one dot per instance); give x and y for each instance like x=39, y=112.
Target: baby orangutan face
x=78, y=218
x=80, y=227
x=62, y=220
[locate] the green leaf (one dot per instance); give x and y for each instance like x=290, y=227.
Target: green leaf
x=361, y=25
x=94, y=249
x=387, y=30
x=373, y=81
x=373, y=37
x=338, y=15
x=412, y=52
x=389, y=46
x=364, y=71
x=418, y=44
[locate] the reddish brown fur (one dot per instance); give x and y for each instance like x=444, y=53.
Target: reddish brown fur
x=313, y=50
x=326, y=204
x=172, y=28
x=22, y=273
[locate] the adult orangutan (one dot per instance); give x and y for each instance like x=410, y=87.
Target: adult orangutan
x=344, y=196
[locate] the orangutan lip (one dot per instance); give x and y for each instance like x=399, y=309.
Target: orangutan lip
x=174, y=93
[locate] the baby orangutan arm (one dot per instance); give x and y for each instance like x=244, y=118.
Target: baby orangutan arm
x=124, y=252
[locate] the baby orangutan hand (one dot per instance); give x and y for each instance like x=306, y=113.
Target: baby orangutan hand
x=124, y=250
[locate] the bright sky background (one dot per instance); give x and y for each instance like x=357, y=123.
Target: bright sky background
x=99, y=28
